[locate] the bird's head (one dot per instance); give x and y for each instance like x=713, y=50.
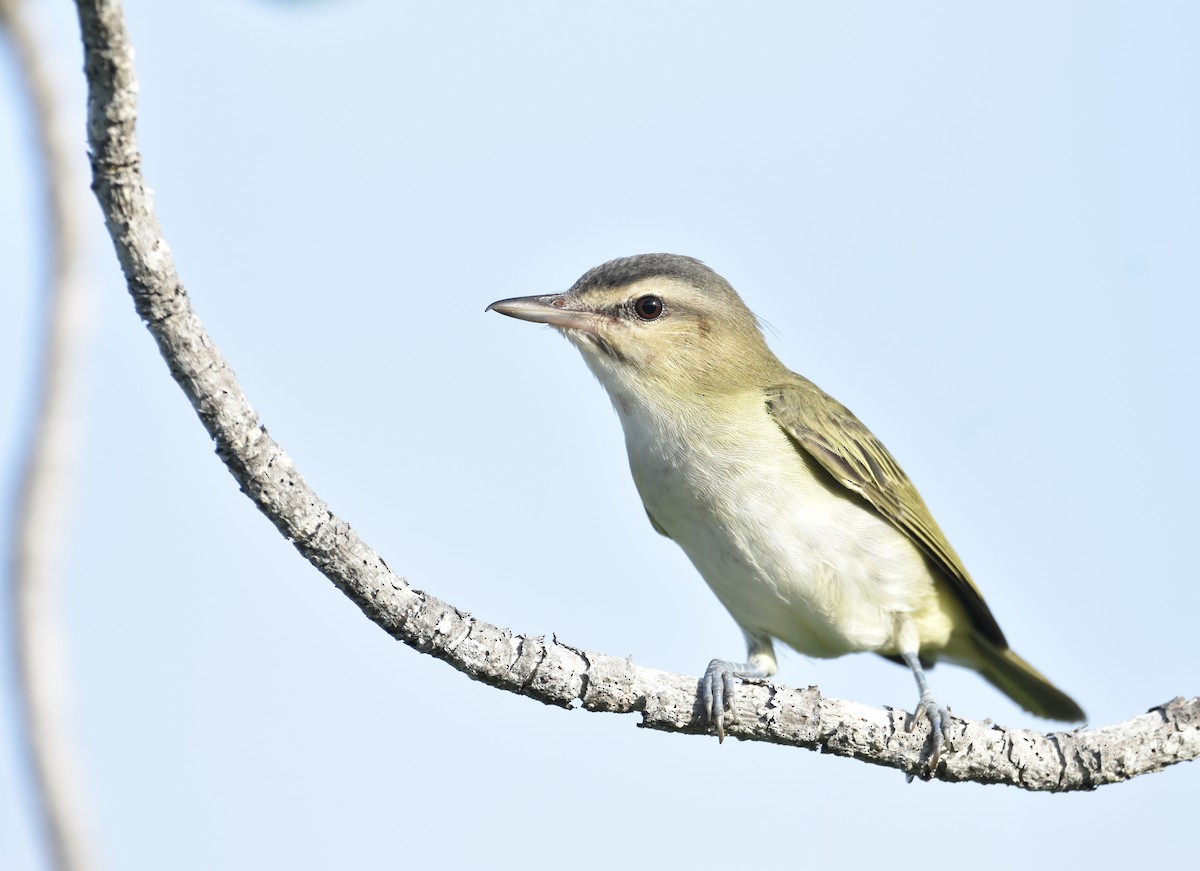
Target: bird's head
x=657, y=324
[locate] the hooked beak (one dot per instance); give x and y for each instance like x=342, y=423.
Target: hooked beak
x=554, y=310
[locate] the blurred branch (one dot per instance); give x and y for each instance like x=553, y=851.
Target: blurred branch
x=549, y=671
x=42, y=505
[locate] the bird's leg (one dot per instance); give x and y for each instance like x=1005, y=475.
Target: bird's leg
x=928, y=708
x=716, y=687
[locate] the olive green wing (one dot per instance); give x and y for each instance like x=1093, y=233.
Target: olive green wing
x=826, y=430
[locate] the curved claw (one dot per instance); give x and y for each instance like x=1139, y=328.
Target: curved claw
x=716, y=691
x=939, y=721
x=716, y=687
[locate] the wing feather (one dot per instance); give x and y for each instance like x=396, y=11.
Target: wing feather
x=825, y=429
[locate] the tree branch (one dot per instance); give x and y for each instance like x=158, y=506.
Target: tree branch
x=550, y=671
x=43, y=496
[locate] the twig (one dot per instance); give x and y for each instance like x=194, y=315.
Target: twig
x=40, y=515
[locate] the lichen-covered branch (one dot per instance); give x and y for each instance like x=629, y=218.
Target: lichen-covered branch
x=44, y=491
x=549, y=671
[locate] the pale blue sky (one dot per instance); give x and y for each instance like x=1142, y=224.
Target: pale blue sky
x=976, y=225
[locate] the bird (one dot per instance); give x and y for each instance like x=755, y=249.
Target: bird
x=797, y=517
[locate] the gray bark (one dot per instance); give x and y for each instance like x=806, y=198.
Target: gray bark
x=550, y=671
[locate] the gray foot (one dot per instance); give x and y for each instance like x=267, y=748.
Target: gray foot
x=939, y=721
x=716, y=689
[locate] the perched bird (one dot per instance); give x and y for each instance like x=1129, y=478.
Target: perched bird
x=796, y=516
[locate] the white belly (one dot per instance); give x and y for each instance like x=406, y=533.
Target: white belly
x=789, y=555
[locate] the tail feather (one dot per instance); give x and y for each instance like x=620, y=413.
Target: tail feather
x=1023, y=683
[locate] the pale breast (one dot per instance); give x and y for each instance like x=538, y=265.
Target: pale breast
x=788, y=552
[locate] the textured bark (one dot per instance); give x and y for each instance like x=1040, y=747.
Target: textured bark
x=44, y=495
x=550, y=671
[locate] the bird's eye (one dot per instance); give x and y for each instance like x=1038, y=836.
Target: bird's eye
x=648, y=307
